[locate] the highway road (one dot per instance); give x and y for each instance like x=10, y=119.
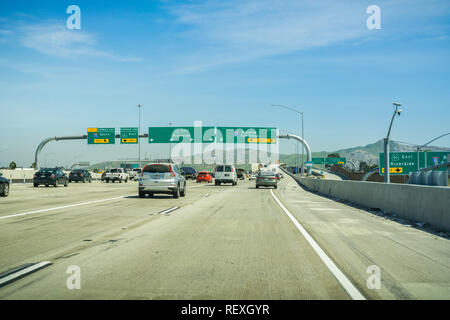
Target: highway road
x=219, y=242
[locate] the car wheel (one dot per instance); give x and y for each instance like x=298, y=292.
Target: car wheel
x=107, y=181
x=141, y=194
x=5, y=190
x=76, y=181
x=257, y=187
x=126, y=180
x=120, y=180
x=66, y=184
x=176, y=193
x=35, y=185
x=216, y=183
x=84, y=180
x=183, y=193
x=275, y=187
x=150, y=195
x=90, y=180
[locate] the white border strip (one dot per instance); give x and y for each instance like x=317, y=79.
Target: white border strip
x=343, y=280
x=23, y=272
x=169, y=210
x=63, y=207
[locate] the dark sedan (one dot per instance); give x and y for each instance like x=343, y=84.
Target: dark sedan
x=80, y=175
x=50, y=176
x=4, y=186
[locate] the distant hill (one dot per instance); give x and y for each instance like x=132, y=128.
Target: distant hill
x=368, y=153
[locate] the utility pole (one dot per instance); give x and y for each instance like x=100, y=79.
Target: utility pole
x=387, y=172
x=139, y=133
x=170, y=144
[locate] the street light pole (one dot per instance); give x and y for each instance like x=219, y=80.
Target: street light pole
x=139, y=133
x=387, y=172
x=303, y=147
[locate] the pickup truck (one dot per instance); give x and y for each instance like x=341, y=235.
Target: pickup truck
x=134, y=173
x=118, y=174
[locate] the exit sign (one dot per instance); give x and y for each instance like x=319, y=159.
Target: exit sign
x=101, y=135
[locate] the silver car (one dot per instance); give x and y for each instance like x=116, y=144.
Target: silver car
x=161, y=178
x=266, y=179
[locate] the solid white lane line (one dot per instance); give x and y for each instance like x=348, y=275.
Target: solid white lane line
x=62, y=207
x=343, y=280
x=23, y=272
x=169, y=210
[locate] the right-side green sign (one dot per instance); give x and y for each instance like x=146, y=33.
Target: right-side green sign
x=406, y=162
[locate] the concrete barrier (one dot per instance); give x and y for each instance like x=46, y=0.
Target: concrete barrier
x=428, y=204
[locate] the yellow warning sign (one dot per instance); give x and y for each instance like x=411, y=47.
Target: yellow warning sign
x=129, y=140
x=260, y=140
x=101, y=140
x=92, y=130
x=394, y=170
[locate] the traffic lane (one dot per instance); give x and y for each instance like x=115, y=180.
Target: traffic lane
x=237, y=244
x=55, y=233
x=25, y=198
x=413, y=264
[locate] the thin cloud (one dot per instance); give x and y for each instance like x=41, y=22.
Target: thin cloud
x=58, y=41
x=239, y=31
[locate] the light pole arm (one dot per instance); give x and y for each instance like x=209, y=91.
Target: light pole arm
x=390, y=126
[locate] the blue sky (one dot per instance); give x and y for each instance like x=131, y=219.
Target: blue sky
x=222, y=62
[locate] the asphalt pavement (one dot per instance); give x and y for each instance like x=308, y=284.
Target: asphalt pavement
x=218, y=242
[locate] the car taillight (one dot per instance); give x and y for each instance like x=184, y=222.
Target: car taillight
x=82, y=175
x=53, y=176
x=172, y=174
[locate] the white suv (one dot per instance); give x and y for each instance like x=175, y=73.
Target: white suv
x=225, y=174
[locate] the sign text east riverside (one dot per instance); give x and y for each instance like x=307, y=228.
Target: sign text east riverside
x=406, y=162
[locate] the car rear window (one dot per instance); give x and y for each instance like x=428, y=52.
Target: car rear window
x=114, y=170
x=46, y=170
x=157, y=168
x=220, y=169
x=227, y=168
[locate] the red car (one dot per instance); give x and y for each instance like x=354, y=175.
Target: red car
x=204, y=176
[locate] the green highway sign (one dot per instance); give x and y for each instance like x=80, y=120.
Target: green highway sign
x=400, y=163
x=406, y=162
x=101, y=135
x=211, y=134
x=246, y=135
x=336, y=161
x=330, y=161
x=180, y=134
x=434, y=158
x=129, y=135
x=318, y=160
